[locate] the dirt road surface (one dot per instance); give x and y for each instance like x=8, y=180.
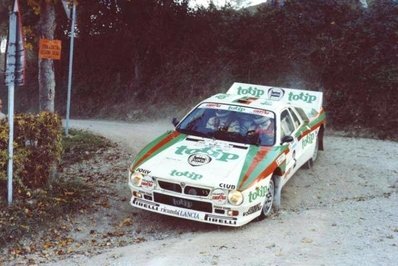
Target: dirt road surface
x=343, y=211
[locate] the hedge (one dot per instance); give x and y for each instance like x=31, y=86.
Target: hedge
x=37, y=147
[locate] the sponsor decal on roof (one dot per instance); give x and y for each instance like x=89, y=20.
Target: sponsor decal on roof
x=275, y=94
x=251, y=91
x=305, y=97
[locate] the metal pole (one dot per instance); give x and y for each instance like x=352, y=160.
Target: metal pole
x=72, y=38
x=11, y=76
x=11, y=88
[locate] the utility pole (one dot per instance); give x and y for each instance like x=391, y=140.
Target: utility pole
x=15, y=70
x=72, y=38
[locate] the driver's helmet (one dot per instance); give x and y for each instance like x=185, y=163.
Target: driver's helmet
x=221, y=113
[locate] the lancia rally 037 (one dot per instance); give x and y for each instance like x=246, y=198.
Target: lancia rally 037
x=227, y=160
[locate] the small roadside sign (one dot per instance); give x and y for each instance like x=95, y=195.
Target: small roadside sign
x=50, y=49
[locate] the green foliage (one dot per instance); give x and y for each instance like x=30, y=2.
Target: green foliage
x=159, y=51
x=37, y=147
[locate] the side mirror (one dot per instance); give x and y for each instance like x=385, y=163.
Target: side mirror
x=175, y=121
x=287, y=139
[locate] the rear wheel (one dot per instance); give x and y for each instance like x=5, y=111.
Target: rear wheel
x=268, y=201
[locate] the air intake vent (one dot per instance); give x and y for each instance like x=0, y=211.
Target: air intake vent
x=170, y=186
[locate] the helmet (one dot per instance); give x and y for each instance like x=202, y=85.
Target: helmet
x=260, y=120
x=221, y=113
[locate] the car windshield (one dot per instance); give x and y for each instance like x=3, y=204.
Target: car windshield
x=231, y=123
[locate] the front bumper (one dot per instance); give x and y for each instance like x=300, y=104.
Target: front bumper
x=192, y=208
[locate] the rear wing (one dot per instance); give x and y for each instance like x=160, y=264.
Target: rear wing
x=310, y=101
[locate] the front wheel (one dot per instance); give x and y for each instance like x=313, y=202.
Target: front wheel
x=269, y=201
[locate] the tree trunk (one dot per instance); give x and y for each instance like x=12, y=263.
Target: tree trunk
x=46, y=72
x=46, y=66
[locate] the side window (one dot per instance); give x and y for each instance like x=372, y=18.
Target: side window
x=287, y=125
x=302, y=114
x=295, y=118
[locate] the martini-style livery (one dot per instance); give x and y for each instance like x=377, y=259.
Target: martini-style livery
x=228, y=159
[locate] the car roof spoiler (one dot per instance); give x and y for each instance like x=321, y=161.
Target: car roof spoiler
x=310, y=101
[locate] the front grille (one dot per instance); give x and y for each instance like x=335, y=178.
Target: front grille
x=170, y=186
x=196, y=191
x=188, y=190
x=183, y=203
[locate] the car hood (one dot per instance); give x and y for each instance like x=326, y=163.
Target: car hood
x=195, y=160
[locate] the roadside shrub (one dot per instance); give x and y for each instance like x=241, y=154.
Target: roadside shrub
x=20, y=154
x=37, y=147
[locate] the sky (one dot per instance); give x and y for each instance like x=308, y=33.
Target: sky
x=220, y=3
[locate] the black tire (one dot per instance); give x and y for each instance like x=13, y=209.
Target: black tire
x=268, y=201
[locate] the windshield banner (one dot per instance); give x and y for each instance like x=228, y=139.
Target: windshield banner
x=239, y=109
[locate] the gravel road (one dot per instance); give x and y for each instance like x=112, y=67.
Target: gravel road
x=343, y=211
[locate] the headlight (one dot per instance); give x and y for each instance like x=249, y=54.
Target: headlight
x=136, y=179
x=235, y=197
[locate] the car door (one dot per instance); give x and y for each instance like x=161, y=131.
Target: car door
x=288, y=128
x=305, y=137
x=300, y=129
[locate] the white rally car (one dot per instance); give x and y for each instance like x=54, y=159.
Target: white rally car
x=228, y=159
